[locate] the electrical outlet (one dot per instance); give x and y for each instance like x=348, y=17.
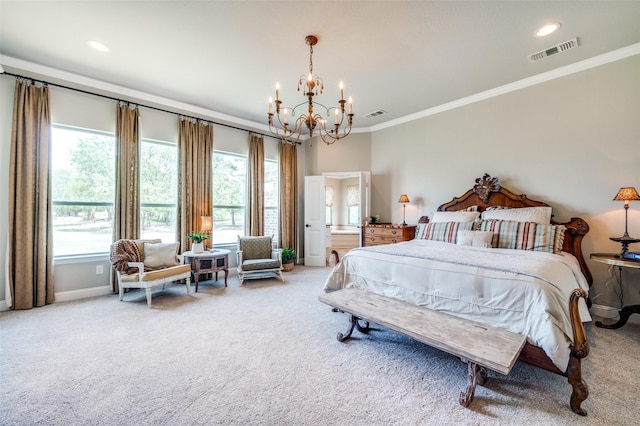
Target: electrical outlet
x=99, y=270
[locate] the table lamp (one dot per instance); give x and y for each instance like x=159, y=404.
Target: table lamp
x=206, y=224
x=626, y=194
x=404, y=200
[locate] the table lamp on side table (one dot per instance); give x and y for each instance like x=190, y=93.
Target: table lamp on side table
x=626, y=194
x=404, y=199
x=206, y=224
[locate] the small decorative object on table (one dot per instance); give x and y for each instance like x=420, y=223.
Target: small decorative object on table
x=626, y=194
x=288, y=259
x=198, y=238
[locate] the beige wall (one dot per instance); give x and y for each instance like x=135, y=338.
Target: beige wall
x=572, y=142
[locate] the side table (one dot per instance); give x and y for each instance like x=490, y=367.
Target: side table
x=212, y=260
x=616, y=260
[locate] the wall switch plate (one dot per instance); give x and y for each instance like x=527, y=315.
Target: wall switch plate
x=99, y=270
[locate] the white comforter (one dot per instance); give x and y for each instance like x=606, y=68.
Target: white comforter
x=523, y=291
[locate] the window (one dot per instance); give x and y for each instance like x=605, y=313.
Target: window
x=229, y=197
x=271, y=200
x=83, y=184
x=328, y=197
x=158, y=189
x=353, y=204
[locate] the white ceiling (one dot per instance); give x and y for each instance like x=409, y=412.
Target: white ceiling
x=403, y=57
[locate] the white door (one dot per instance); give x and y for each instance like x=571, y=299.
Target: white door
x=315, y=229
x=365, y=199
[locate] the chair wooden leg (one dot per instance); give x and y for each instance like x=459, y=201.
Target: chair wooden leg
x=148, y=296
x=188, y=282
x=120, y=291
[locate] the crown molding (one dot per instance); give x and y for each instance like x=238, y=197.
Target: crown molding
x=586, y=64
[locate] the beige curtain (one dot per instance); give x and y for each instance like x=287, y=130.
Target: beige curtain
x=126, y=215
x=126, y=220
x=30, y=238
x=256, y=185
x=195, y=156
x=288, y=197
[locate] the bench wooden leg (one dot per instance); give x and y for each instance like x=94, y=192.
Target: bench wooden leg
x=354, y=324
x=477, y=375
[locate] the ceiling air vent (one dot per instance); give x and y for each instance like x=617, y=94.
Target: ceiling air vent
x=374, y=113
x=558, y=48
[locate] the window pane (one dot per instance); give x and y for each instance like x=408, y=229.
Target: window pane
x=158, y=190
x=271, y=200
x=83, y=184
x=229, y=197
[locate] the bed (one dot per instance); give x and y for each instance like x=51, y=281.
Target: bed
x=497, y=258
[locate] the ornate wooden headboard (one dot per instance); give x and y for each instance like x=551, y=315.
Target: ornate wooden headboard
x=488, y=192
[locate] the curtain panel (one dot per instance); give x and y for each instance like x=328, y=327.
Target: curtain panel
x=288, y=196
x=256, y=185
x=195, y=157
x=30, y=279
x=126, y=215
x=127, y=202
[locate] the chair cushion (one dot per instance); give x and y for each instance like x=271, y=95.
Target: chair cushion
x=160, y=255
x=255, y=247
x=258, y=264
x=166, y=273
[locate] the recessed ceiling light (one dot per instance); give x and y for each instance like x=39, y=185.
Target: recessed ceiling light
x=98, y=46
x=547, y=29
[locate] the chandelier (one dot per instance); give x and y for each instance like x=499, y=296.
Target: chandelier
x=312, y=85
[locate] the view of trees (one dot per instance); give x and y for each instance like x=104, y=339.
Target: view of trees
x=83, y=190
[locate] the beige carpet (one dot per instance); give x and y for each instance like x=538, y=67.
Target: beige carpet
x=266, y=353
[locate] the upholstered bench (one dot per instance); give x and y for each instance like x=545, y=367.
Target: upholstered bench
x=158, y=264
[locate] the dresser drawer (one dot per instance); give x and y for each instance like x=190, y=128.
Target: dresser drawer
x=387, y=234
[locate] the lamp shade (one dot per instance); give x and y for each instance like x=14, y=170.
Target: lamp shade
x=206, y=223
x=403, y=199
x=627, y=194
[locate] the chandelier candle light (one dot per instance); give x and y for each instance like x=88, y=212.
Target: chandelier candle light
x=312, y=85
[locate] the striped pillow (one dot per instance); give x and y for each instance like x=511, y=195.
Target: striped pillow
x=441, y=231
x=525, y=235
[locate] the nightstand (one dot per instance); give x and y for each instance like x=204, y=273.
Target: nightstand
x=616, y=260
x=376, y=234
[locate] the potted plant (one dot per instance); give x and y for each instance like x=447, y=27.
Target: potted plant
x=288, y=257
x=198, y=238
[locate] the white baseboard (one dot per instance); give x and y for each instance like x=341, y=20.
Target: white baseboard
x=604, y=311
x=65, y=296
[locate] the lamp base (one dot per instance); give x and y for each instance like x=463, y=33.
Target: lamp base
x=625, y=240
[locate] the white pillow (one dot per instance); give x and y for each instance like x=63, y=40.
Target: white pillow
x=525, y=214
x=474, y=238
x=460, y=216
x=160, y=255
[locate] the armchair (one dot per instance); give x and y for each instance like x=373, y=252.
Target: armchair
x=257, y=259
x=147, y=263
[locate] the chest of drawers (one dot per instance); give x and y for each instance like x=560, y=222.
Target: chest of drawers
x=374, y=234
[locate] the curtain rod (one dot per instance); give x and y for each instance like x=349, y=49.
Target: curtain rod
x=136, y=103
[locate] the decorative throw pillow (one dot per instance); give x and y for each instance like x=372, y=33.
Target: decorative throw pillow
x=474, y=238
x=442, y=231
x=525, y=214
x=525, y=235
x=160, y=255
x=458, y=216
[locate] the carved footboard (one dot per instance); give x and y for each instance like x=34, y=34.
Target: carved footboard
x=579, y=349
